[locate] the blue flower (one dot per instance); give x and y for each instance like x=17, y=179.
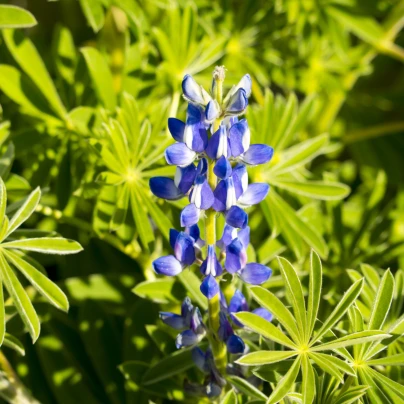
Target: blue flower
x=239, y=303
x=235, y=345
x=214, y=381
x=189, y=322
x=184, y=255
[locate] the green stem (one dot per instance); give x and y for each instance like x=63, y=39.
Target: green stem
x=218, y=347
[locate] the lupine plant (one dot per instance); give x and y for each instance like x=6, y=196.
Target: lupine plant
x=239, y=229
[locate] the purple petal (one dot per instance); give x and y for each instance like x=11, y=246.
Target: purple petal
x=209, y=287
x=173, y=237
x=198, y=358
x=167, y=265
x=244, y=236
x=213, y=390
x=189, y=215
x=173, y=320
x=192, y=91
x=222, y=168
x=186, y=310
x=165, y=188
x=176, y=128
x=235, y=345
x=194, y=232
x=184, y=249
x=196, y=324
x=211, y=265
x=258, y=154
x=212, y=110
x=185, y=177
x=255, y=274
x=237, y=103
x=236, y=217
x=255, y=194
x=239, y=135
x=238, y=303
x=195, y=134
x=202, y=195
x=240, y=179
x=218, y=144
x=202, y=167
x=236, y=256
x=228, y=235
x=220, y=194
x=179, y=154
x=245, y=83
x=225, y=330
x=186, y=338
x=264, y=313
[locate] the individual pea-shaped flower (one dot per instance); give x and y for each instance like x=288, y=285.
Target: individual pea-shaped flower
x=191, y=137
x=234, y=344
x=184, y=255
x=177, y=188
x=235, y=244
x=233, y=194
x=200, y=198
x=194, y=334
x=190, y=321
x=179, y=321
x=214, y=381
x=236, y=100
x=210, y=268
x=238, y=303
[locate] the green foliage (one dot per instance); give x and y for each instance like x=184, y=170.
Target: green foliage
x=85, y=95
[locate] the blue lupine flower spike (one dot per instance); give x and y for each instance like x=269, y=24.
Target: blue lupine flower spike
x=214, y=140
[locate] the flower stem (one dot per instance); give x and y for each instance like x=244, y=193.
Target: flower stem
x=218, y=347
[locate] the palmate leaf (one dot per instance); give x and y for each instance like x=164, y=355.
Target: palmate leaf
x=12, y=256
x=277, y=123
x=31, y=63
x=303, y=341
x=124, y=151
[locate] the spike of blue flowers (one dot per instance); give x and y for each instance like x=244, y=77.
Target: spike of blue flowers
x=226, y=155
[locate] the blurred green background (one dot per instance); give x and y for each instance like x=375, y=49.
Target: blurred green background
x=328, y=91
